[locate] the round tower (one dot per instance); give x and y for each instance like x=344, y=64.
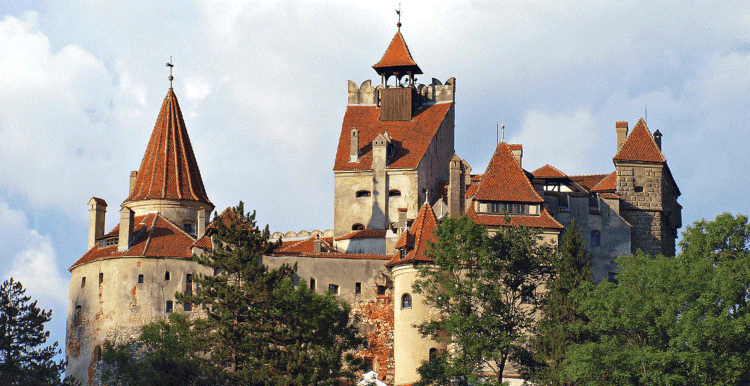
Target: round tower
x=129, y=276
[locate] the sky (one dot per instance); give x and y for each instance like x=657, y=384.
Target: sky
x=263, y=88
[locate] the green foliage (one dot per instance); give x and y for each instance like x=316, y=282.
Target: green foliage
x=479, y=283
x=672, y=321
x=258, y=330
x=561, y=324
x=24, y=358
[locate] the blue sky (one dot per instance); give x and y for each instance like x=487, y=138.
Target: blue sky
x=262, y=86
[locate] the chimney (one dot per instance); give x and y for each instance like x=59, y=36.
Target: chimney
x=456, y=188
x=316, y=245
x=201, y=230
x=127, y=218
x=657, y=138
x=517, y=153
x=401, y=220
x=354, y=146
x=622, y=133
x=133, y=176
x=97, y=211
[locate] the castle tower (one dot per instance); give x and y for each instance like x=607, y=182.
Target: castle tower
x=648, y=191
x=410, y=349
x=129, y=276
x=395, y=144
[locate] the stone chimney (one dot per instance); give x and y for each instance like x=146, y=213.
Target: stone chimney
x=354, y=146
x=401, y=220
x=657, y=138
x=127, y=218
x=97, y=211
x=201, y=227
x=378, y=220
x=517, y=154
x=622, y=133
x=456, y=188
x=133, y=176
x=316, y=245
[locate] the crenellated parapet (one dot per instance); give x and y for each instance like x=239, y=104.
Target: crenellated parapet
x=435, y=92
x=303, y=234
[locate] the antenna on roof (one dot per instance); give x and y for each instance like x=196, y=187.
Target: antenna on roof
x=170, y=65
x=502, y=127
x=398, y=12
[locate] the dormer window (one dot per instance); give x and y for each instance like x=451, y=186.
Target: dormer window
x=363, y=193
x=508, y=207
x=108, y=242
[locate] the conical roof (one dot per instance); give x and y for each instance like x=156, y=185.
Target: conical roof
x=422, y=233
x=397, y=58
x=169, y=169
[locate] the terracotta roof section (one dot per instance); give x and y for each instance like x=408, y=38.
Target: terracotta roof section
x=588, y=181
x=543, y=221
x=335, y=255
x=169, y=169
x=607, y=183
x=505, y=180
x=406, y=240
x=423, y=229
x=548, y=171
x=397, y=57
x=306, y=246
x=471, y=190
x=98, y=200
x=364, y=234
x=412, y=138
x=153, y=236
x=611, y=196
x=640, y=146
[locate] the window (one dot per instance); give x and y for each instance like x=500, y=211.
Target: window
x=101, y=278
x=187, y=227
x=167, y=276
x=188, y=286
x=189, y=279
x=368, y=364
x=394, y=193
x=357, y=288
x=312, y=284
x=363, y=193
x=405, y=301
x=140, y=279
x=563, y=202
x=98, y=353
x=639, y=189
x=170, y=306
x=433, y=353
x=403, y=252
x=358, y=227
x=381, y=290
x=77, y=315
x=527, y=294
x=187, y=307
x=596, y=238
x=108, y=242
x=333, y=288
x=83, y=281
x=612, y=277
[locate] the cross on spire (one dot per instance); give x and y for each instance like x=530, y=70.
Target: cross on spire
x=170, y=65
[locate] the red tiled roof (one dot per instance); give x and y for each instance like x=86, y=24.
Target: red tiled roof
x=335, y=255
x=505, y=180
x=363, y=234
x=640, y=146
x=397, y=55
x=611, y=196
x=471, y=190
x=607, y=183
x=153, y=236
x=543, y=221
x=406, y=240
x=588, y=181
x=306, y=246
x=169, y=169
x=515, y=146
x=412, y=137
x=424, y=229
x=548, y=171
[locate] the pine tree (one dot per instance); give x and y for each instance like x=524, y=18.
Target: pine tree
x=561, y=322
x=25, y=360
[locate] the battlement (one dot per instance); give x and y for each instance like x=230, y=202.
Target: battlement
x=301, y=235
x=435, y=92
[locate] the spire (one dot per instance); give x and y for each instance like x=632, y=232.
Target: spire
x=397, y=60
x=169, y=169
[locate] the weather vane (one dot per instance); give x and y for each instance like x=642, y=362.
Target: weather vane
x=398, y=12
x=170, y=65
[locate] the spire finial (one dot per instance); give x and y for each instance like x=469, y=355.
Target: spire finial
x=170, y=65
x=502, y=127
x=398, y=12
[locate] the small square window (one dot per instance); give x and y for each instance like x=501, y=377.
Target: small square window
x=357, y=288
x=140, y=279
x=187, y=307
x=381, y=290
x=333, y=288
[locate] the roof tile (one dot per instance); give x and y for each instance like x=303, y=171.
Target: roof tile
x=548, y=171
x=543, y=221
x=397, y=55
x=423, y=229
x=640, y=146
x=505, y=180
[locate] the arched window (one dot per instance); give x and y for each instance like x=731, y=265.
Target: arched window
x=596, y=238
x=358, y=227
x=394, y=193
x=363, y=193
x=405, y=301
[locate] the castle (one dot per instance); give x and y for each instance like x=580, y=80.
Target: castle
x=396, y=175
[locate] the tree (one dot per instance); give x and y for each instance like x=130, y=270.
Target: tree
x=672, y=321
x=258, y=328
x=485, y=288
x=561, y=323
x=24, y=357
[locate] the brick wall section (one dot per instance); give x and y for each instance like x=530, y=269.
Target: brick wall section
x=376, y=321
